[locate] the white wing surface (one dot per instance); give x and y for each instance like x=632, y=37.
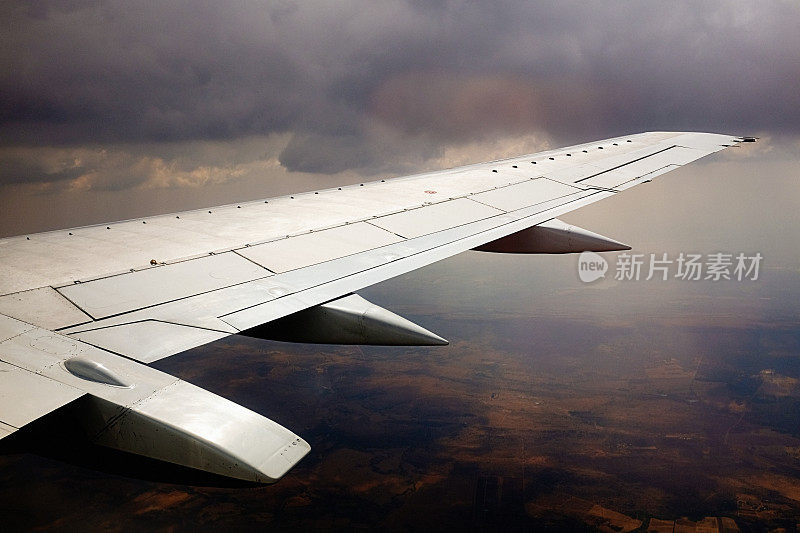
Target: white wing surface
x=82, y=311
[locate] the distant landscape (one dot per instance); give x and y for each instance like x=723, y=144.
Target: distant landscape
x=574, y=422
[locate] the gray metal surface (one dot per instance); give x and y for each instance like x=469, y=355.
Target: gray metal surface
x=63, y=257
x=623, y=172
x=148, y=288
x=43, y=307
x=312, y=248
x=513, y=197
x=10, y=328
x=149, y=340
x=437, y=217
x=126, y=292
x=6, y=430
x=316, y=284
x=139, y=409
x=361, y=270
x=26, y=396
x=189, y=426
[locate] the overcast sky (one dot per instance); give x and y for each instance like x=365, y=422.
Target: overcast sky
x=115, y=109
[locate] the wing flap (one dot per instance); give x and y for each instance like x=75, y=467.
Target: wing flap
x=437, y=217
x=26, y=396
x=317, y=247
x=44, y=307
x=528, y=193
x=149, y=340
x=126, y=292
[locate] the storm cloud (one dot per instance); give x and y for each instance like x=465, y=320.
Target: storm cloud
x=376, y=87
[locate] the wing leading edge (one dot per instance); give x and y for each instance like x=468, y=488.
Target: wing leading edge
x=83, y=311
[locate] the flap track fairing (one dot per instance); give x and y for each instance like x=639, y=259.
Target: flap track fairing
x=553, y=237
x=348, y=320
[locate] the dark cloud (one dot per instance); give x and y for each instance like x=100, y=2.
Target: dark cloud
x=326, y=153
x=361, y=85
x=21, y=169
x=370, y=151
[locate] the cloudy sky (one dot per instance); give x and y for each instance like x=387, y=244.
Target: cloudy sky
x=116, y=109
x=119, y=109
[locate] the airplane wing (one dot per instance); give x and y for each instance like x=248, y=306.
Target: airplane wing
x=83, y=311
